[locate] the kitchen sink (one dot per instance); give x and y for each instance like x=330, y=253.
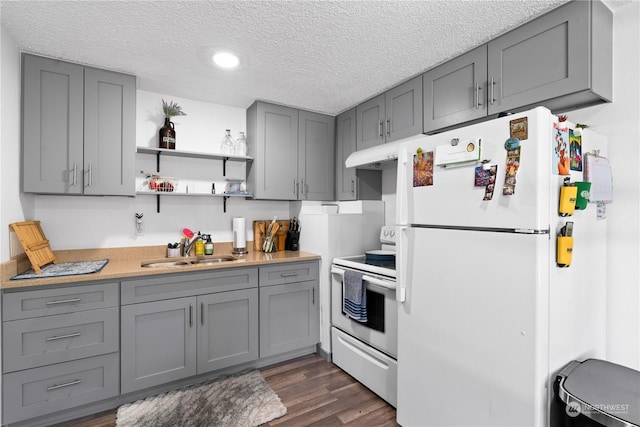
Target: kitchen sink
x=188, y=261
x=215, y=259
x=165, y=264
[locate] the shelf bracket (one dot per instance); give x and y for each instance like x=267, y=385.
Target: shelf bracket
x=224, y=204
x=158, y=163
x=224, y=166
x=157, y=203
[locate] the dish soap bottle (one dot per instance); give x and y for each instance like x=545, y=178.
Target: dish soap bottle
x=199, y=245
x=228, y=147
x=208, y=245
x=241, y=145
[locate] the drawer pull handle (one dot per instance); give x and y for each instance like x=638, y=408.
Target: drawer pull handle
x=288, y=274
x=64, y=301
x=61, y=337
x=55, y=387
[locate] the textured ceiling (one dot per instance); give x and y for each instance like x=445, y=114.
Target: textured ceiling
x=325, y=56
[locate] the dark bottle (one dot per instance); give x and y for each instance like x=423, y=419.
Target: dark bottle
x=167, y=135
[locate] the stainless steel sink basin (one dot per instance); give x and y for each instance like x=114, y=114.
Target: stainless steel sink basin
x=165, y=264
x=215, y=259
x=188, y=261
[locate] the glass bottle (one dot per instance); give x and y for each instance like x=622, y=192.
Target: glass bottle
x=241, y=145
x=167, y=136
x=228, y=147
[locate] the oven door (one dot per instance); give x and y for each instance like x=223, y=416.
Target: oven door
x=381, y=329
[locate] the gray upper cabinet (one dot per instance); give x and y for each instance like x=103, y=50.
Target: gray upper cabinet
x=454, y=91
x=345, y=145
x=316, y=156
x=293, y=153
x=561, y=60
x=78, y=129
x=370, y=122
x=393, y=115
x=272, y=138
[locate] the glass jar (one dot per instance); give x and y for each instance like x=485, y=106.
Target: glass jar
x=228, y=147
x=241, y=145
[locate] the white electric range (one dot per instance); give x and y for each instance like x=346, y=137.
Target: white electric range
x=368, y=350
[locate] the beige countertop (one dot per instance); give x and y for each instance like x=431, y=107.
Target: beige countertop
x=126, y=262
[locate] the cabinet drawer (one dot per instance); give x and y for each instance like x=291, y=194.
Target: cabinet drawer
x=29, y=343
x=44, y=302
x=185, y=285
x=41, y=391
x=288, y=273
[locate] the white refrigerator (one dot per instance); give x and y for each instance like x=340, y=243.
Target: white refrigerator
x=486, y=317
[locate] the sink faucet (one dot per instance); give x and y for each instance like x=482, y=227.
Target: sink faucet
x=187, y=245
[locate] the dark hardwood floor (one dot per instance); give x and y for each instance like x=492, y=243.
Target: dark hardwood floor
x=315, y=392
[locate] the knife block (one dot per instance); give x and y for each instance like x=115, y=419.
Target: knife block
x=260, y=228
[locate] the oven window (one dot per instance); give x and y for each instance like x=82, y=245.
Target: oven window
x=375, y=311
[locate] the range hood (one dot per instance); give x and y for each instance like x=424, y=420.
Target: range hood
x=372, y=158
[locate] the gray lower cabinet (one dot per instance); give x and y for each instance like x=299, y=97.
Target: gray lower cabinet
x=289, y=307
x=40, y=391
x=561, y=60
x=289, y=317
x=168, y=339
x=228, y=329
x=60, y=348
x=158, y=343
x=78, y=129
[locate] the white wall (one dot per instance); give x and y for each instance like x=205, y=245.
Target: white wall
x=14, y=206
x=620, y=122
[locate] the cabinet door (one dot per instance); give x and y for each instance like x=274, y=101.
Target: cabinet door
x=52, y=117
x=370, y=118
x=227, y=329
x=272, y=135
x=543, y=59
x=403, y=107
x=316, y=156
x=454, y=92
x=109, y=133
x=345, y=145
x=289, y=317
x=158, y=343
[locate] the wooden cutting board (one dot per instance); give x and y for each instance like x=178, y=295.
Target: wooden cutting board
x=34, y=243
x=260, y=228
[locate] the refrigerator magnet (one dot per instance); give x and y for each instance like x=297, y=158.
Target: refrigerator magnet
x=519, y=128
x=575, y=150
x=513, y=163
x=561, y=154
x=423, y=169
x=486, y=177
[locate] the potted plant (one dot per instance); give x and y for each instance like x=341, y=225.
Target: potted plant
x=167, y=137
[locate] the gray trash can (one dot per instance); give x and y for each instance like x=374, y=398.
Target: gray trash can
x=599, y=393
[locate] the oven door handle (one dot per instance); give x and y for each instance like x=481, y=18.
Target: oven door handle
x=384, y=283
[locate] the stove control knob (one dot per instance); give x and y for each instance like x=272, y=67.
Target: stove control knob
x=385, y=232
x=392, y=233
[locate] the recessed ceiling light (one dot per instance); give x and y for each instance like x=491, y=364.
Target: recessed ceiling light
x=225, y=60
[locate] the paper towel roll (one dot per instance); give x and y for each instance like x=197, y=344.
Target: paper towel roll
x=239, y=234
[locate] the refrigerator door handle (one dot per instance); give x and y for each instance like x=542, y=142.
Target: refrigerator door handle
x=401, y=263
x=402, y=190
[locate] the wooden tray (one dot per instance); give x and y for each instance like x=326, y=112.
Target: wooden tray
x=34, y=243
x=260, y=233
